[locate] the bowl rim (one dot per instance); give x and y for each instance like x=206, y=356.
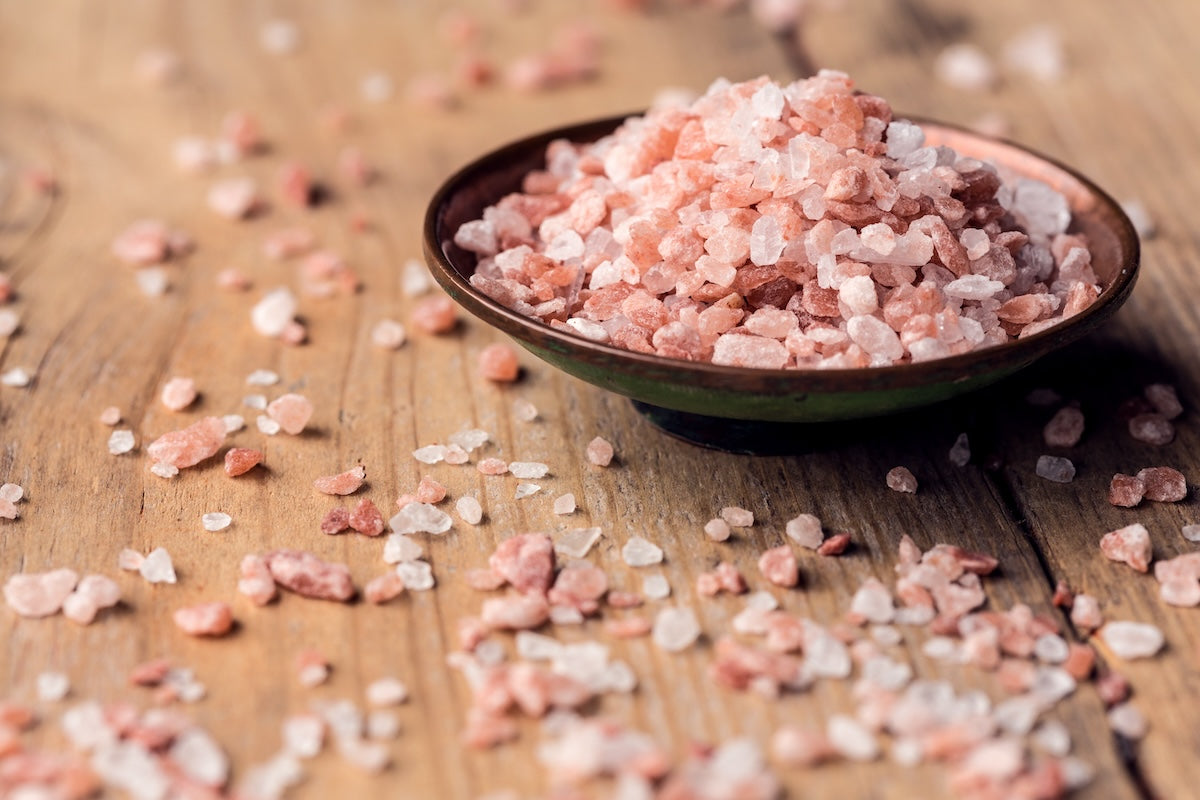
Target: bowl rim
x=959, y=367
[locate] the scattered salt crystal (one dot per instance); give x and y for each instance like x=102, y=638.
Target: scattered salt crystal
x=737, y=517
x=1152, y=428
x=1127, y=721
x=110, y=416
x=129, y=559
x=851, y=738
x=524, y=410
x=255, y=401
x=420, y=518
x=577, y=542
x=1192, y=532
x=292, y=412
x=498, y=363
x=435, y=315
x=262, y=377
x=469, y=510
x=1140, y=216
x=52, y=686
x=343, y=483
x=152, y=281
x=1165, y=399
x=1050, y=648
x=1055, y=468
x=1130, y=544
x=271, y=315
x=400, y=547
x=492, y=466
x=1130, y=640
x=120, y=442
x=1052, y=738
x=965, y=66
x=805, y=530
x=17, y=377
x=960, y=452
x=675, y=629
x=157, y=567
x=9, y=322
x=901, y=479
x=430, y=454
x=204, y=619
x=11, y=493
x=526, y=490
x=564, y=504
x=215, y=521
x=234, y=198
x=599, y=452
x=1163, y=484
x=415, y=279
x=386, y=692
x=279, y=36
x=1065, y=428
x=531, y=470
x=233, y=422
x=388, y=334
x=717, y=529
x=1085, y=612
x=972, y=287
x=417, y=575
x=873, y=602
x=1037, y=52
x=639, y=552
x=303, y=735
x=376, y=87
x=656, y=587
x=271, y=779
x=382, y=725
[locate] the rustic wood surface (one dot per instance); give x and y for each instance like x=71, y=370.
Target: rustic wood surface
x=1125, y=113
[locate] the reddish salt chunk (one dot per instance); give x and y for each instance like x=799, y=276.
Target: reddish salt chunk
x=492, y=466
x=901, y=479
x=599, y=452
x=291, y=411
x=430, y=491
x=725, y=578
x=312, y=668
x=498, y=362
x=515, y=612
x=383, y=588
x=179, y=393
x=366, y=518
x=778, y=565
x=756, y=352
x=526, y=561
x=435, y=315
x=255, y=580
x=205, y=619
x=1130, y=544
x=1126, y=491
x=1065, y=428
x=1163, y=484
x=835, y=545
x=343, y=483
x=1152, y=429
x=336, y=520
x=240, y=460
x=39, y=594
x=189, y=446
x=307, y=575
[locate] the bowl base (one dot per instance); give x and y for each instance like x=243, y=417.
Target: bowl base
x=739, y=436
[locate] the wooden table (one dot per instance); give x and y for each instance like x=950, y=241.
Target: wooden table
x=1125, y=113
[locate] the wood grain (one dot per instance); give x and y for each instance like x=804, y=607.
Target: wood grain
x=1125, y=113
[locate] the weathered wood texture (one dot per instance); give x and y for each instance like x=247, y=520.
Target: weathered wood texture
x=1126, y=113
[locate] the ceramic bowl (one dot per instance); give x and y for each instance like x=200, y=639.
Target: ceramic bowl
x=663, y=387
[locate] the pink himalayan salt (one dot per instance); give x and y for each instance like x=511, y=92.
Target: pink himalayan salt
x=1126, y=491
x=110, y=416
x=307, y=575
x=1055, y=468
x=725, y=578
x=901, y=479
x=1163, y=484
x=498, y=363
x=291, y=411
x=717, y=529
x=312, y=668
x=579, y=586
x=94, y=592
x=778, y=565
x=240, y=129
x=205, y=619
x=430, y=491
x=234, y=198
x=492, y=466
x=435, y=315
x=388, y=334
x=1130, y=544
x=515, y=612
x=8, y=509
x=526, y=561
x=288, y=243
x=336, y=520
x=1164, y=399
x=147, y=242
x=628, y=627
x=189, y=446
x=11, y=493
x=295, y=184
x=805, y=530
x=178, y=393
x=240, y=460
x=835, y=545
x=737, y=517
x=599, y=452
x=1085, y=612
x=387, y=586
x=792, y=746
x=256, y=581
x=343, y=483
x=1152, y=429
x=366, y=518
x=293, y=333
x=39, y=594
x=1065, y=428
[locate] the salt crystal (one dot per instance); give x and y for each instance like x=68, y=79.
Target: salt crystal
x=110, y=415
x=717, y=529
x=399, y=547
x=471, y=439
x=271, y=315
x=805, y=530
x=52, y=686
x=960, y=452
x=130, y=560
x=531, y=470
x=849, y=737
x=469, y=510
x=189, y=446
x=233, y=423
x=901, y=479
x=1052, y=738
x=1050, y=648
x=279, y=36
x=303, y=735
x=873, y=602
x=599, y=452
x=420, y=518
x=152, y=281
x=255, y=401
x=1163, y=484
x=205, y=619
x=388, y=334
x=376, y=87
x=240, y=460
x=120, y=442
x=9, y=322
x=492, y=466
x=639, y=552
x=414, y=278
x=972, y=287
x=1126, y=491
x=1055, y=468
x=1037, y=52
x=386, y=692
x=382, y=725
x=234, y=198
x=417, y=575
x=271, y=779
x=1127, y=721
x=1130, y=544
x=435, y=315
x=17, y=377
x=498, y=363
x=1152, y=428
x=526, y=490
x=11, y=493
x=343, y=483
x=524, y=410
x=737, y=517
x=262, y=377
x=656, y=587
x=564, y=504
x=675, y=629
x=1141, y=218
x=965, y=66
x=576, y=543
x=1164, y=399
x=1192, y=532
x=215, y=521
x=157, y=567
x=291, y=411
x=430, y=454
x=1130, y=640
x=1085, y=612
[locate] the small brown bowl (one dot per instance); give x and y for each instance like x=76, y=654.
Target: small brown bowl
x=776, y=395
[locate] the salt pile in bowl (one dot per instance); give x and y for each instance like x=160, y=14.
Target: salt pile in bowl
x=770, y=226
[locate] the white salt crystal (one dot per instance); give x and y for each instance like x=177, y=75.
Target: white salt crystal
x=386, y=692
x=639, y=552
x=262, y=377
x=164, y=470
x=1131, y=640
x=564, y=504
x=279, y=36
x=267, y=425
x=199, y=758
x=1050, y=648
x=1037, y=52
x=524, y=410
x=825, y=656
x=565, y=615
x=152, y=281
x=87, y=727
x=420, y=518
x=960, y=451
x=120, y=441
x=903, y=137
x=128, y=766
x=1125, y=719
x=11, y=492
x=130, y=560
x=376, y=87
x=737, y=517
x=976, y=242
x=1052, y=738
x=303, y=735
x=965, y=66
x=272, y=778
x=430, y=454
x=382, y=725
x=52, y=686
x=886, y=673
x=1038, y=208
x=255, y=401
x=415, y=279
x=528, y=470
x=371, y=757
x=717, y=529
x=469, y=510
x=805, y=530
x=766, y=241
x=851, y=738
x=537, y=647
x=886, y=635
x=1192, y=532
x=907, y=752
x=272, y=314
x=768, y=101
x=526, y=490
x=875, y=337
x=9, y=322
x=1076, y=773
x=1051, y=684
x=417, y=575
x=471, y=439
x=873, y=602
x=972, y=287
x=215, y=521
x=656, y=587
x=675, y=629
x=576, y=543
x=399, y=547
x=456, y=455
x=1055, y=468
x=17, y=377
x=942, y=648
x=388, y=334
x=914, y=615
x=157, y=567
x=233, y=422
x=858, y=294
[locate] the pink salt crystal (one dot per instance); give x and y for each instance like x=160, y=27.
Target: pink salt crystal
x=717, y=529
x=291, y=411
x=737, y=517
x=435, y=315
x=149, y=673
x=498, y=363
x=388, y=334
x=336, y=520
x=675, y=629
x=384, y=588
x=1152, y=429
x=307, y=575
x=255, y=580
x=240, y=460
x=293, y=333
x=805, y=530
x=110, y=416
x=627, y=628
x=234, y=198
x=8, y=509
x=143, y=243
x=205, y=619
x=295, y=184
x=189, y=446
x=599, y=452
x=797, y=747
x=515, y=612
x=778, y=565
x=484, y=580
x=835, y=545
x=179, y=393
x=1163, y=484
x=1055, y=468
x=1164, y=399
x=94, y=592
x=366, y=518
x=343, y=483
x=233, y=280
x=1130, y=544
x=526, y=561
x=130, y=560
x=430, y=491
x=492, y=466
x=39, y=594
x=1126, y=491
x=470, y=510
x=901, y=479
x=579, y=586
x=312, y=668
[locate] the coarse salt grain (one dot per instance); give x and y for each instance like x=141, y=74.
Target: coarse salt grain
x=343, y=483
x=1055, y=468
x=526, y=490
x=152, y=281
x=576, y=543
x=675, y=629
x=737, y=517
x=16, y=377
x=120, y=442
x=1131, y=640
x=292, y=412
x=901, y=479
x=1191, y=532
x=498, y=363
x=524, y=410
x=805, y=530
x=233, y=422
x=215, y=521
x=960, y=451
x=234, y=198
x=469, y=510
x=1065, y=428
x=262, y=377
x=599, y=452
x=564, y=504
x=1130, y=545
x=272, y=314
x=189, y=446
x=417, y=575
x=1163, y=484
x=240, y=460
x=52, y=686
x=528, y=469
x=717, y=529
x=110, y=416
x=420, y=518
x=157, y=567
x=388, y=334
x=436, y=315
x=205, y=619
x=639, y=552
x=386, y=692
x=11, y=493
x=266, y=425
